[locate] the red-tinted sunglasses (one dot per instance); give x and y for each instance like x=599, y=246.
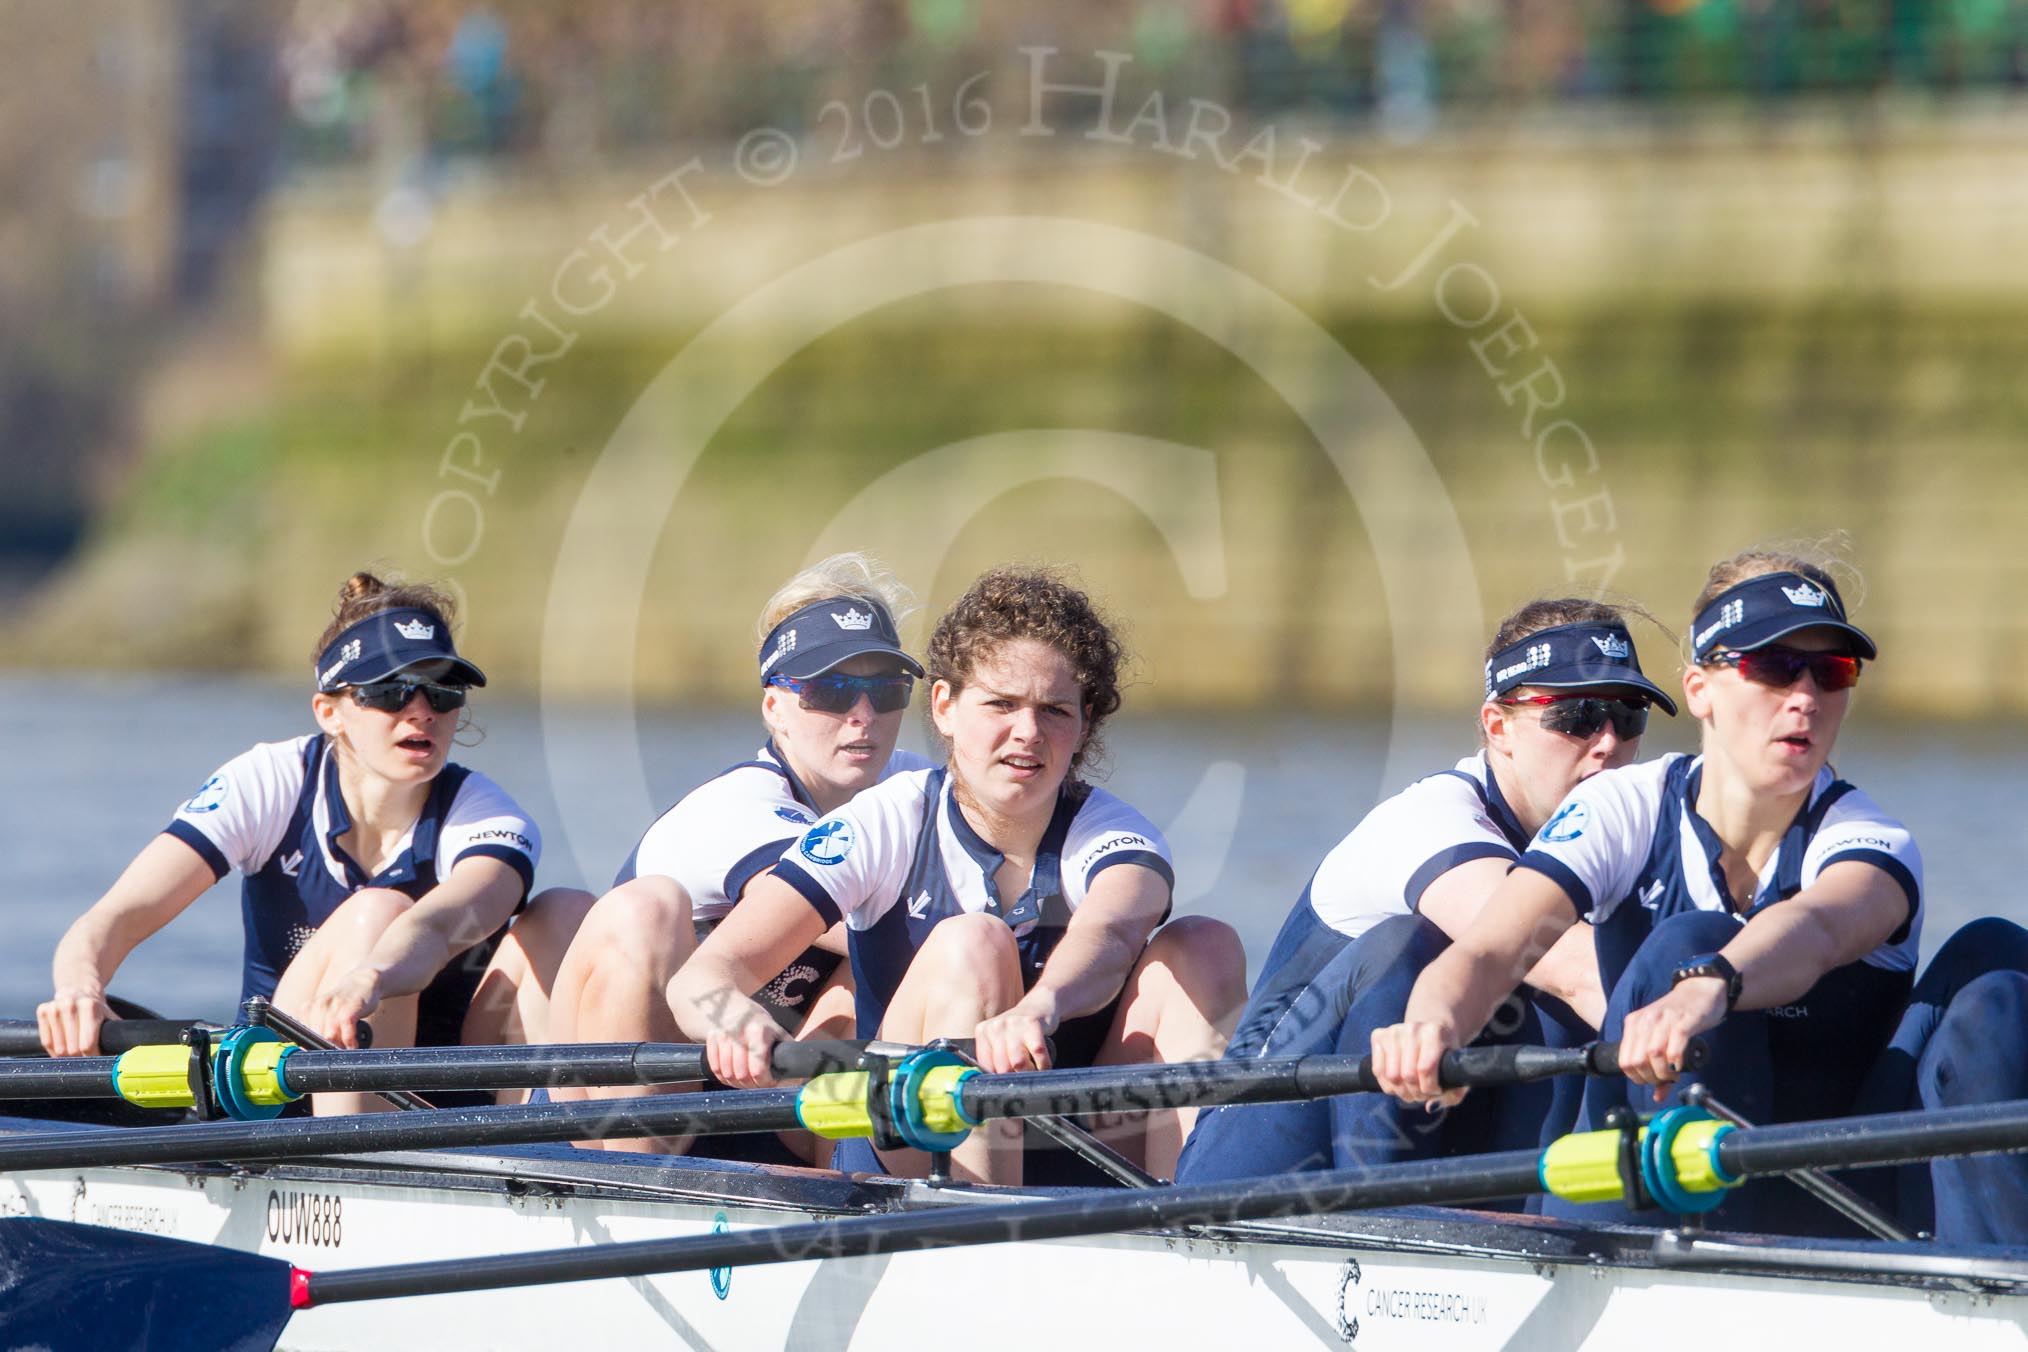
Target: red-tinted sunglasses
x=1585, y=715
x=1782, y=667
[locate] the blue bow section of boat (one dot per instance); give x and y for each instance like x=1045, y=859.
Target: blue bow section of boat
x=84, y=1288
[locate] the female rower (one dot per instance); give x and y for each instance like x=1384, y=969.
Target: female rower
x=380, y=878
x=1747, y=894
x=1001, y=898
x=834, y=680
x=1565, y=699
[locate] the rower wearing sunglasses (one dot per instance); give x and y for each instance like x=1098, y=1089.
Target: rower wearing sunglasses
x=1000, y=897
x=1565, y=700
x=1746, y=894
x=834, y=681
x=379, y=877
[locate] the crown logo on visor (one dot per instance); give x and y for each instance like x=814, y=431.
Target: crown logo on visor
x=415, y=629
x=1613, y=646
x=1805, y=595
x=853, y=618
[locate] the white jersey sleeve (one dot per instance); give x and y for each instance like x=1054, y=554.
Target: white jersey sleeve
x=485, y=822
x=1856, y=828
x=853, y=863
x=1107, y=832
x=722, y=834
x=1389, y=860
x=236, y=819
x=728, y=831
x=1596, y=843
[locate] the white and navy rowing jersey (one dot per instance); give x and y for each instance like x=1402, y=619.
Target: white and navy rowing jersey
x=901, y=857
x=275, y=813
x=731, y=828
x=1388, y=861
x=1629, y=850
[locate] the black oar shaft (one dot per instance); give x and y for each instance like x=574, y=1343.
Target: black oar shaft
x=18, y=1037
x=581, y=1064
x=724, y=1110
x=1890, y=1138
x=1097, y=1089
x=1434, y=1182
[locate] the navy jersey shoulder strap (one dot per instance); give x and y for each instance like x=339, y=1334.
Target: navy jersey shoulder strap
x=1788, y=879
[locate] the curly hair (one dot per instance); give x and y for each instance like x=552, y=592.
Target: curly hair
x=1016, y=603
x=365, y=594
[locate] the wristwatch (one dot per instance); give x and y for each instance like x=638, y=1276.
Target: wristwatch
x=1711, y=964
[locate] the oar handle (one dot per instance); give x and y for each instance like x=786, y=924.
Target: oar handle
x=807, y=1060
x=1603, y=1058
x=18, y=1037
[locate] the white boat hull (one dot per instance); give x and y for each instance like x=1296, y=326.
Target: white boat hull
x=1376, y=1283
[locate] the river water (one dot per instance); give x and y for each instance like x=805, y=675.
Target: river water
x=93, y=765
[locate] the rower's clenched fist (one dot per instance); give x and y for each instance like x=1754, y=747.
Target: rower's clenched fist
x=742, y=1057
x=1656, y=1037
x=339, y=1008
x=69, y=1021
x=1015, y=1040
x=1406, y=1058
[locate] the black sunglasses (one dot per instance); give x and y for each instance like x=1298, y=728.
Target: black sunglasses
x=1585, y=715
x=836, y=693
x=1779, y=666
x=391, y=697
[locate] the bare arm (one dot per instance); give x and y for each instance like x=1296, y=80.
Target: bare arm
x=476, y=899
x=711, y=995
x=1458, y=993
x=159, y=885
x=1087, y=968
x=1569, y=971
x=1452, y=901
x=1780, y=953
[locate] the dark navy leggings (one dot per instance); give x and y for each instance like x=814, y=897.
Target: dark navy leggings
x=1794, y=1063
x=1859, y=1041
x=1361, y=986
x=1963, y=1040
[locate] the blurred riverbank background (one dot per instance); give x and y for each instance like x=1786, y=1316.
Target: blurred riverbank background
x=1314, y=334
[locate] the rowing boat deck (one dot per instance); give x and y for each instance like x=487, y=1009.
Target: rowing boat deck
x=1420, y=1278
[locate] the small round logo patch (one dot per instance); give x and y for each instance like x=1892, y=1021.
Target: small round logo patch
x=721, y=1277
x=208, y=798
x=828, y=842
x=1568, y=823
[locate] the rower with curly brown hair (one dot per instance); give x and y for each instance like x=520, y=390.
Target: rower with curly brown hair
x=1002, y=897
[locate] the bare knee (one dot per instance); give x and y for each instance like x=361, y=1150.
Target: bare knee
x=978, y=946
x=1205, y=960
x=639, y=916
x=552, y=917
x=369, y=911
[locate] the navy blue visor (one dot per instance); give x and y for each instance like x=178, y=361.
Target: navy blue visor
x=824, y=633
x=1756, y=612
x=389, y=642
x=1572, y=657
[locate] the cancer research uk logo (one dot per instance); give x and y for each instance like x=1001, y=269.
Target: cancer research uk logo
x=208, y=798
x=828, y=842
x=1568, y=823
